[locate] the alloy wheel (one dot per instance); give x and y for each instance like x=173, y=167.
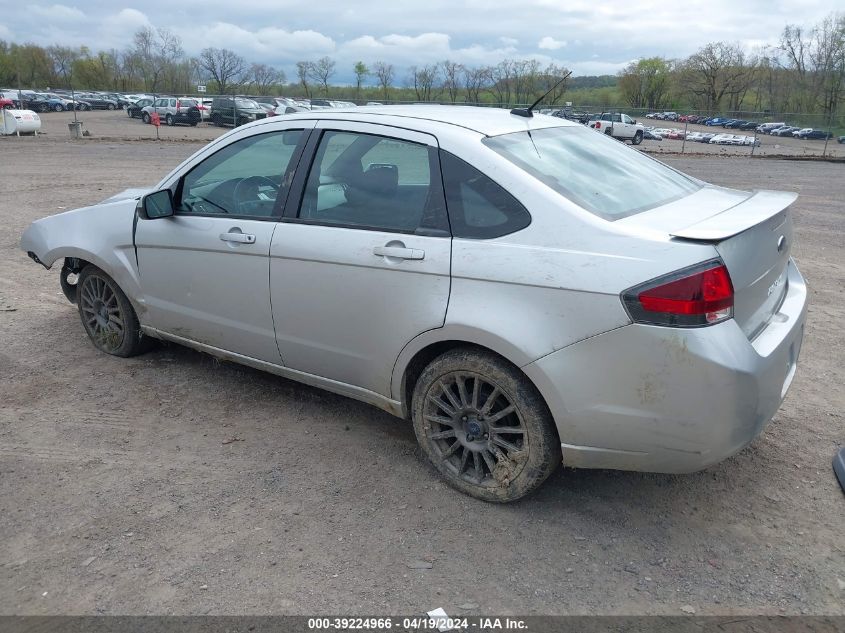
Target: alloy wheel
x=101, y=313
x=475, y=429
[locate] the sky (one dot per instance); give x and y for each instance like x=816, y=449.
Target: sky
x=587, y=36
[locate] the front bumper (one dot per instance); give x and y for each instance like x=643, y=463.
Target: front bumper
x=671, y=400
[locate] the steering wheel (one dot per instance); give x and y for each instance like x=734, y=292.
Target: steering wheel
x=248, y=188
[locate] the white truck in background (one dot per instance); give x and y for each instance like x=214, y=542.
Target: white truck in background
x=619, y=126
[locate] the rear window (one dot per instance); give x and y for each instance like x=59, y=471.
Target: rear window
x=592, y=170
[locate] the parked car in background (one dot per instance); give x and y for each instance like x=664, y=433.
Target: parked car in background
x=173, y=111
x=6, y=104
x=749, y=125
x=766, y=128
x=618, y=125
x=841, y=140
x=786, y=130
x=735, y=123
x=652, y=135
x=799, y=132
x=644, y=320
x=715, y=121
x=99, y=102
x=136, y=109
x=121, y=100
x=705, y=137
x=235, y=111
x=813, y=134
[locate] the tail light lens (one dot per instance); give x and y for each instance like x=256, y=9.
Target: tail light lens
x=598, y=125
x=692, y=297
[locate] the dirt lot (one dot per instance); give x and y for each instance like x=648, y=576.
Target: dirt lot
x=105, y=125
x=120, y=495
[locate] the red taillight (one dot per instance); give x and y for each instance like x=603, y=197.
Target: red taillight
x=695, y=296
x=598, y=125
x=178, y=105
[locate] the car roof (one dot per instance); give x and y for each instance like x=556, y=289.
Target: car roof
x=487, y=121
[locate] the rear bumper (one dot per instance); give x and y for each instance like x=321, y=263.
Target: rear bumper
x=671, y=400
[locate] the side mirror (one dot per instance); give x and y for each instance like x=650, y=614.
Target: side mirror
x=157, y=205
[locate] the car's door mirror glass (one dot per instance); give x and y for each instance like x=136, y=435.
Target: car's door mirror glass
x=158, y=205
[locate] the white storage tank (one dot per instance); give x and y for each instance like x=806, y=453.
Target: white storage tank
x=19, y=122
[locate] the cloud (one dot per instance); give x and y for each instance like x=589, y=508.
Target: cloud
x=550, y=44
x=57, y=13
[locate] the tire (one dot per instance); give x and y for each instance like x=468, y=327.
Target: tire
x=638, y=138
x=458, y=427
x=107, y=315
x=110, y=106
x=59, y=107
x=146, y=117
x=215, y=120
x=169, y=120
x=608, y=132
x=129, y=113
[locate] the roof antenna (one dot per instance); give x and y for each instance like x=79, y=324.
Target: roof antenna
x=527, y=112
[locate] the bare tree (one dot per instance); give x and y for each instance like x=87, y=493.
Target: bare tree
x=304, y=72
x=156, y=52
x=361, y=72
x=550, y=80
x=423, y=80
x=451, y=78
x=818, y=60
x=263, y=77
x=321, y=71
x=225, y=67
x=499, y=81
x=475, y=82
x=63, y=58
x=384, y=73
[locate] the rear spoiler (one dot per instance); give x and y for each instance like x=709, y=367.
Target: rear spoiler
x=757, y=208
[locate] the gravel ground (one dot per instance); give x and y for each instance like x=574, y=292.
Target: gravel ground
x=105, y=125
x=121, y=493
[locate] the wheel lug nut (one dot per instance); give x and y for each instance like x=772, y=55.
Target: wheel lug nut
x=464, y=419
x=470, y=438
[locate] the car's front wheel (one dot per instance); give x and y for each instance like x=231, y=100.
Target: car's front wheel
x=169, y=120
x=107, y=315
x=58, y=107
x=146, y=117
x=484, y=426
x=638, y=138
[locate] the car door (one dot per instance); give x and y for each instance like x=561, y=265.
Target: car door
x=204, y=271
x=360, y=264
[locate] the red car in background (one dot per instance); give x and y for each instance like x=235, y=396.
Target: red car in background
x=6, y=104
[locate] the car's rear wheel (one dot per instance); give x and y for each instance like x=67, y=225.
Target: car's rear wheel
x=107, y=315
x=484, y=426
x=58, y=107
x=215, y=120
x=169, y=120
x=111, y=106
x=146, y=117
x=638, y=138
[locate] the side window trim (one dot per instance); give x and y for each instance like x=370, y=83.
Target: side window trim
x=289, y=175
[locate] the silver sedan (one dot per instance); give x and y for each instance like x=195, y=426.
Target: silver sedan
x=527, y=292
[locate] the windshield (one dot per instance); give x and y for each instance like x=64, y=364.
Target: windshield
x=246, y=103
x=596, y=172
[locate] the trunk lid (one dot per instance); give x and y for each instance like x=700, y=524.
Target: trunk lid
x=752, y=232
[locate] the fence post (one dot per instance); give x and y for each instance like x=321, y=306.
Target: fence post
x=828, y=132
x=684, y=142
